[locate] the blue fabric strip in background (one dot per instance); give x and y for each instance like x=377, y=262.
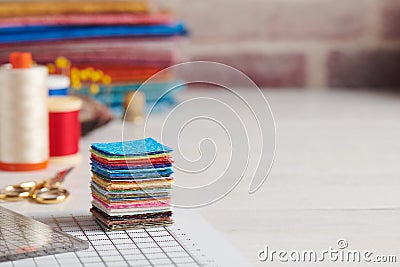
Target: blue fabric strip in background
x=47, y=33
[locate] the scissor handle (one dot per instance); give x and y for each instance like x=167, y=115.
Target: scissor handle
x=17, y=192
x=50, y=195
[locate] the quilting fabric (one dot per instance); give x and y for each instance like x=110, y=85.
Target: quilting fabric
x=131, y=184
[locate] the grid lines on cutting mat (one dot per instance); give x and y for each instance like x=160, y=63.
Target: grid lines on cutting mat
x=141, y=247
x=24, y=238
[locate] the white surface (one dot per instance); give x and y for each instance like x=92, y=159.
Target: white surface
x=336, y=175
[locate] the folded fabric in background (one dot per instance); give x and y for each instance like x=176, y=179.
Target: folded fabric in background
x=109, y=48
x=21, y=9
x=48, y=33
x=87, y=19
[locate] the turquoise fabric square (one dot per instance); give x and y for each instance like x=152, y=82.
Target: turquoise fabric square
x=147, y=146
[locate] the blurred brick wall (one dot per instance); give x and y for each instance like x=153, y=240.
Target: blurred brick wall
x=298, y=43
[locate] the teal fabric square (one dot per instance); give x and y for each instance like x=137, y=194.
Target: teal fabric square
x=147, y=146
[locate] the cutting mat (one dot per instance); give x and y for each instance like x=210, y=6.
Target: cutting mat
x=22, y=237
x=162, y=246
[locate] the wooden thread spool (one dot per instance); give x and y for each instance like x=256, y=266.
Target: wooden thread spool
x=134, y=104
x=65, y=128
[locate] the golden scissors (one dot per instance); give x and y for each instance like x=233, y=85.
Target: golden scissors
x=44, y=192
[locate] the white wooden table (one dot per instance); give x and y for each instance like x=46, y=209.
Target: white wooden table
x=336, y=175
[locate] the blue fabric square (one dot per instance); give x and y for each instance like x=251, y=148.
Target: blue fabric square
x=132, y=176
x=147, y=146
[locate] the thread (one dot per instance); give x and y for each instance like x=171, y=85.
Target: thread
x=65, y=130
x=24, y=134
x=58, y=85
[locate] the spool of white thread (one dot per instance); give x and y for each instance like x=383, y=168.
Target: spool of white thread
x=24, y=133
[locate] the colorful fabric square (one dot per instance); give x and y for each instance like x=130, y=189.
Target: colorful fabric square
x=131, y=184
x=141, y=147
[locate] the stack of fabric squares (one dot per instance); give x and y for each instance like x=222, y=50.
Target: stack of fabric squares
x=131, y=184
x=115, y=44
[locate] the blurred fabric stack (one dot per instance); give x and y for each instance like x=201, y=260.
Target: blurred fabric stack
x=108, y=48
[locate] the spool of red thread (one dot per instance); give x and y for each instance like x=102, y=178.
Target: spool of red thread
x=64, y=128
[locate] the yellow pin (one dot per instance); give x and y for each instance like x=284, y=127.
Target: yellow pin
x=51, y=67
x=62, y=62
x=94, y=89
x=76, y=84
